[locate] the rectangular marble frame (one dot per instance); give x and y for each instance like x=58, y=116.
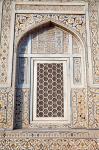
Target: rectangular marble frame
x=66, y=118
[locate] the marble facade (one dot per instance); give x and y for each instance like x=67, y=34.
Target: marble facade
x=79, y=21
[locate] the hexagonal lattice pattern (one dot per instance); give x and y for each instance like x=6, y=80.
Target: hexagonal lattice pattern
x=50, y=102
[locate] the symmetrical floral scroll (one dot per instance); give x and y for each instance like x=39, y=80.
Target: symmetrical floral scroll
x=93, y=107
x=3, y=104
x=46, y=144
x=5, y=37
x=93, y=16
x=6, y=108
x=23, y=21
x=79, y=108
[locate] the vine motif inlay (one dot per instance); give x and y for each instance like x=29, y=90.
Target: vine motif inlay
x=53, y=143
x=93, y=107
x=23, y=21
x=5, y=37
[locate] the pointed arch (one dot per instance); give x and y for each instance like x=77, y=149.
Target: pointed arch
x=28, y=66
x=46, y=23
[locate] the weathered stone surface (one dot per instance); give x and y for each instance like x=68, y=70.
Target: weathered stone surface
x=77, y=19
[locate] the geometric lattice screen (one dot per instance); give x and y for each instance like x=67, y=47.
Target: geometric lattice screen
x=49, y=91
x=50, y=100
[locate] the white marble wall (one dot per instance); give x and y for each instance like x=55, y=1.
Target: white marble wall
x=0, y=17
x=98, y=18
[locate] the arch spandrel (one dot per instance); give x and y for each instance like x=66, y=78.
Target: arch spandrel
x=45, y=23
x=47, y=38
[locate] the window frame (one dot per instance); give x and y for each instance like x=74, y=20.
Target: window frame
x=61, y=57
x=33, y=100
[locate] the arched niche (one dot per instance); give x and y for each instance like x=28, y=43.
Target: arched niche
x=46, y=23
x=51, y=45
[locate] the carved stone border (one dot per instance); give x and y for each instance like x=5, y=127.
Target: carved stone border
x=48, y=143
